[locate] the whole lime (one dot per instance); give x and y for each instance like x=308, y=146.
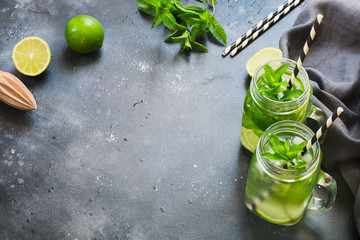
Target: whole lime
x=84, y=34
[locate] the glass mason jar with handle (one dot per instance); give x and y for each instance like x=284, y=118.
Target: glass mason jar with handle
x=280, y=195
x=260, y=111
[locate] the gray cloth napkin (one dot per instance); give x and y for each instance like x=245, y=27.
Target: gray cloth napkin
x=333, y=65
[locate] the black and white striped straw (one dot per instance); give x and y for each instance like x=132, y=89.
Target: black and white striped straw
x=321, y=130
x=305, y=50
x=257, y=26
x=263, y=29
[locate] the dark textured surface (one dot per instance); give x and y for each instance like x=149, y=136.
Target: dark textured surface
x=136, y=141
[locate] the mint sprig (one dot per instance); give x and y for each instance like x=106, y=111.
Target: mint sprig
x=274, y=86
x=187, y=22
x=285, y=150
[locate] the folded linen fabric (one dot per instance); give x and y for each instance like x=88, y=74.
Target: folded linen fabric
x=333, y=65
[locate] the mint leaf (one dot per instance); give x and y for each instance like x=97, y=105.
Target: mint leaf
x=170, y=21
x=269, y=75
x=287, y=145
x=164, y=15
x=147, y=6
x=300, y=164
x=182, y=37
x=280, y=71
x=190, y=18
x=291, y=94
x=185, y=45
x=295, y=149
x=277, y=146
x=285, y=150
x=195, y=20
x=198, y=47
x=174, y=34
x=266, y=91
x=198, y=29
x=179, y=8
x=274, y=87
x=195, y=9
x=157, y=18
x=217, y=30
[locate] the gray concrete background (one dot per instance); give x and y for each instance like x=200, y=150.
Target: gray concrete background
x=136, y=141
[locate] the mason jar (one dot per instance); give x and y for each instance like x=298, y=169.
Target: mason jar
x=282, y=195
x=260, y=112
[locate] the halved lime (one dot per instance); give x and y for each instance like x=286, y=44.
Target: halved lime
x=260, y=57
x=31, y=56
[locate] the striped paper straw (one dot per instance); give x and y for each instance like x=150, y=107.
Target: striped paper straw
x=305, y=49
x=265, y=27
x=257, y=26
x=321, y=130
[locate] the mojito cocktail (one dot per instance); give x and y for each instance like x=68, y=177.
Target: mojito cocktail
x=280, y=181
x=268, y=100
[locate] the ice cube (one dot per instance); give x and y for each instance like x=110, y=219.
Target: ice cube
x=307, y=157
x=297, y=140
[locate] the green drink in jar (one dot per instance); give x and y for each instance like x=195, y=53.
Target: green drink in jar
x=280, y=184
x=269, y=100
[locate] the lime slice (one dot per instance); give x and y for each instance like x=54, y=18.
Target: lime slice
x=31, y=56
x=260, y=57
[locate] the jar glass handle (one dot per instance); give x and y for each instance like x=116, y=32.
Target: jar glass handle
x=324, y=202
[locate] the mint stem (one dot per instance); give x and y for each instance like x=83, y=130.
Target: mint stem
x=213, y=7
